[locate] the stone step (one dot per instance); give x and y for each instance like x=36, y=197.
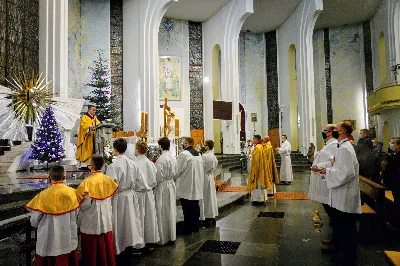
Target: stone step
x=4, y=167
x=12, y=209
x=13, y=225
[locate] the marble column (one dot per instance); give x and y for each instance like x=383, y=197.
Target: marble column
x=141, y=24
x=53, y=44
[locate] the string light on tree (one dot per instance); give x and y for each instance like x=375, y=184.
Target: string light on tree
x=47, y=147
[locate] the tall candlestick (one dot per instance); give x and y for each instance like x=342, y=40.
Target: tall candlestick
x=146, y=119
x=177, y=127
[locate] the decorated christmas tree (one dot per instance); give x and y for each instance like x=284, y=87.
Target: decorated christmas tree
x=47, y=147
x=101, y=94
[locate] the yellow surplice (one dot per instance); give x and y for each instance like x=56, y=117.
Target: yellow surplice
x=272, y=171
x=258, y=171
x=85, y=144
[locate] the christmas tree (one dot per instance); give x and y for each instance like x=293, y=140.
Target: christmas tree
x=47, y=147
x=101, y=95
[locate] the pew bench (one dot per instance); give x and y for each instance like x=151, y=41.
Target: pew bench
x=373, y=210
x=393, y=257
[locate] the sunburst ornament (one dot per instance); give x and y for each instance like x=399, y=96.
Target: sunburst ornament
x=29, y=97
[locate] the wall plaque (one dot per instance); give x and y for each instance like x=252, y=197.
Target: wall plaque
x=222, y=110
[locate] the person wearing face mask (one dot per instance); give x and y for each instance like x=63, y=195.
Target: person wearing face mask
x=318, y=189
x=208, y=205
x=189, y=185
x=391, y=174
x=145, y=188
x=286, y=173
x=342, y=179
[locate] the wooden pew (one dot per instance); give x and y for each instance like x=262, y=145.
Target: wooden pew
x=374, y=211
x=393, y=257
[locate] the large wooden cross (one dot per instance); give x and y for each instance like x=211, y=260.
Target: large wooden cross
x=169, y=116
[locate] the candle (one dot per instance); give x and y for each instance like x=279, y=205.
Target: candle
x=177, y=127
x=146, y=119
x=142, y=120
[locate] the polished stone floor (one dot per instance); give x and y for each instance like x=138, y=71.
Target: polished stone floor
x=263, y=241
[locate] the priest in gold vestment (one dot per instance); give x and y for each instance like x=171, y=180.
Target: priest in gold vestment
x=272, y=171
x=86, y=135
x=258, y=180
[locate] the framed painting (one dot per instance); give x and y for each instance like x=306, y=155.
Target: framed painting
x=169, y=78
x=352, y=123
x=253, y=117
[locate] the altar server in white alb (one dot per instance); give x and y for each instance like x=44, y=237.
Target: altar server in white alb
x=190, y=182
x=53, y=213
x=343, y=181
x=286, y=173
x=165, y=193
x=127, y=229
x=318, y=189
x=208, y=205
x=147, y=203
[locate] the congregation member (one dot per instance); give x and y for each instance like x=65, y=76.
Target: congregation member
x=165, y=192
x=208, y=205
x=86, y=136
x=95, y=216
x=145, y=188
x=190, y=183
x=286, y=173
x=257, y=181
x=127, y=228
x=365, y=155
x=391, y=179
x=318, y=189
x=342, y=180
x=310, y=153
x=272, y=171
x=53, y=213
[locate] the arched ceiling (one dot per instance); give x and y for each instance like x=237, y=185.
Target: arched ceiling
x=270, y=14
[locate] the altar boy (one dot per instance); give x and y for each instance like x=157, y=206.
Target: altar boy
x=95, y=217
x=53, y=213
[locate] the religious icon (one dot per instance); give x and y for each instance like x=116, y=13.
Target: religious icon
x=169, y=78
x=352, y=123
x=253, y=117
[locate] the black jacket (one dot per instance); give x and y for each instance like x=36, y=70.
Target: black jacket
x=391, y=175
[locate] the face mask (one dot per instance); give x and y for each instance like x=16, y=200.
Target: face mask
x=324, y=136
x=335, y=134
x=391, y=146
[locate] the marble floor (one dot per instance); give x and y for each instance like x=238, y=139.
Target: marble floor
x=263, y=241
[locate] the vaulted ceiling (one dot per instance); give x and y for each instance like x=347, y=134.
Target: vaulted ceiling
x=270, y=14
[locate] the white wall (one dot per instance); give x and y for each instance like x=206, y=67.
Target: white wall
x=386, y=20
x=321, y=118
x=298, y=30
x=176, y=43
x=223, y=28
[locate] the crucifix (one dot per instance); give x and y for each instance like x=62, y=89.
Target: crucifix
x=169, y=116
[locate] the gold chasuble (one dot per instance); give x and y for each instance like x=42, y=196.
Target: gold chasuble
x=85, y=144
x=98, y=186
x=272, y=171
x=258, y=171
x=55, y=200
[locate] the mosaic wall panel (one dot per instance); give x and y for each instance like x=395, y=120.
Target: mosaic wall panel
x=196, y=75
x=242, y=70
x=19, y=37
x=346, y=74
x=369, y=71
x=272, y=79
x=116, y=40
x=254, y=53
x=328, y=73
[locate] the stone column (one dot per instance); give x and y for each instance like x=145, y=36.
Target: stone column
x=142, y=20
x=53, y=44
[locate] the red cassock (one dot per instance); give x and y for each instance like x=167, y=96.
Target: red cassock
x=70, y=259
x=97, y=250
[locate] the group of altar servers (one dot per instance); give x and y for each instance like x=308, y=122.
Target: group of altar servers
x=132, y=205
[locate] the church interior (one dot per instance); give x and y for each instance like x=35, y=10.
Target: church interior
x=220, y=70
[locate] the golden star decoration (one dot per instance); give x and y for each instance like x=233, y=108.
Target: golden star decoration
x=29, y=97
